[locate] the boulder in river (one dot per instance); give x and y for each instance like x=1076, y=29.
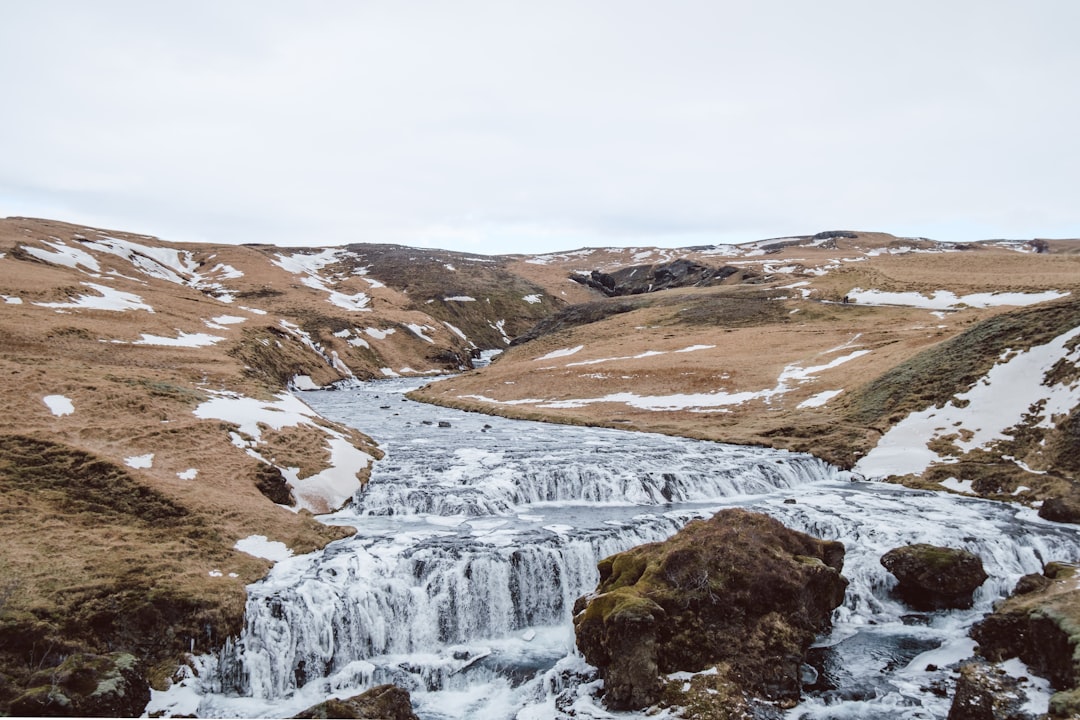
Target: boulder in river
x=738, y=595
x=1063, y=508
x=933, y=577
x=985, y=692
x=384, y=702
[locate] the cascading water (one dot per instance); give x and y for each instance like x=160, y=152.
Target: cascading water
x=476, y=534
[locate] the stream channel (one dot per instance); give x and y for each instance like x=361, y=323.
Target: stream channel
x=476, y=534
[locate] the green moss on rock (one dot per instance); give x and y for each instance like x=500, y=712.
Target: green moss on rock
x=739, y=588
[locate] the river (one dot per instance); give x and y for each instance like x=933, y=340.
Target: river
x=476, y=533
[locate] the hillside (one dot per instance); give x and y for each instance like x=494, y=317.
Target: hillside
x=153, y=448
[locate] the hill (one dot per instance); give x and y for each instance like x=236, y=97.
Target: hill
x=153, y=461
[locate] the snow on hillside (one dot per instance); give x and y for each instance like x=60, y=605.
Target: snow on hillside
x=310, y=266
x=1014, y=387
x=183, y=339
x=107, y=299
x=321, y=492
x=947, y=300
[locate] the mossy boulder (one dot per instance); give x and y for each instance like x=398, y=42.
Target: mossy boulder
x=384, y=702
x=738, y=590
x=932, y=577
x=86, y=685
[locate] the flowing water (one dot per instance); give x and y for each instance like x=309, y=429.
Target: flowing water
x=476, y=534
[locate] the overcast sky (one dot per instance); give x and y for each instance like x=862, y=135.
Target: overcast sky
x=534, y=126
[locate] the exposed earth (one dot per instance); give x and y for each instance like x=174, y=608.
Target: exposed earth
x=153, y=464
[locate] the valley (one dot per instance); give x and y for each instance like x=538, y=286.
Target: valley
x=160, y=453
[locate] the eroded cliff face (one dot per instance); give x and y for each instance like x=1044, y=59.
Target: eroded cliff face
x=1040, y=624
x=738, y=592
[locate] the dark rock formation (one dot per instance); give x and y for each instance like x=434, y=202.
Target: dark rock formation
x=640, y=279
x=576, y=315
x=272, y=484
x=1040, y=624
x=738, y=591
x=835, y=234
x=385, y=702
x=87, y=686
x=933, y=577
x=984, y=692
x=1063, y=509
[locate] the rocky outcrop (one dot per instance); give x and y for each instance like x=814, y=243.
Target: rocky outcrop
x=1040, y=624
x=932, y=577
x=1063, y=508
x=87, y=686
x=385, y=702
x=640, y=279
x=738, y=592
x=984, y=692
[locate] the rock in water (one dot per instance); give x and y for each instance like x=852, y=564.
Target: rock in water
x=984, y=692
x=86, y=685
x=739, y=592
x=384, y=702
x=932, y=577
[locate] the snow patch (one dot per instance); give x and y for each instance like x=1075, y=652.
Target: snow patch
x=261, y=547
x=58, y=405
x=818, y=400
x=193, y=340
x=140, y=461
x=947, y=300
x=565, y=352
x=106, y=299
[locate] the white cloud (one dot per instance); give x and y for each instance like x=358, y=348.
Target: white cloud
x=499, y=127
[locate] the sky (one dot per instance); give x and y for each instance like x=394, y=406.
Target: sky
x=499, y=127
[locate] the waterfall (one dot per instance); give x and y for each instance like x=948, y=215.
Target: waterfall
x=474, y=541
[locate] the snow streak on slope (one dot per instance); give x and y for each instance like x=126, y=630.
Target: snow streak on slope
x=310, y=265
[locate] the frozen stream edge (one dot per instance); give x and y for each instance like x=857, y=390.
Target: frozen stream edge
x=474, y=539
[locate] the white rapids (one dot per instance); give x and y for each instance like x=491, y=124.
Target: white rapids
x=476, y=534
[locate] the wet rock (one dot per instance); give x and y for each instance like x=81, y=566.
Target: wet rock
x=984, y=692
x=1063, y=509
x=738, y=592
x=385, y=702
x=86, y=685
x=932, y=577
x=1033, y=582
